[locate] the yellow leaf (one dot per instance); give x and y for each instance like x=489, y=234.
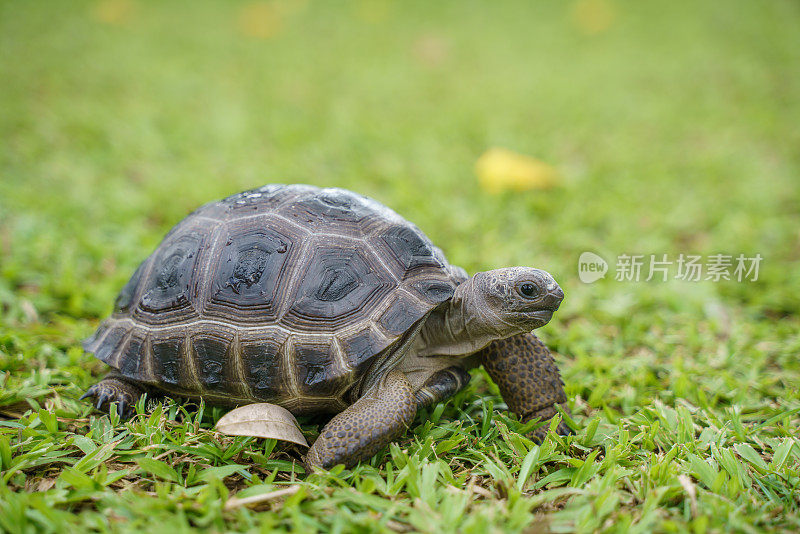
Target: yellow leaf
x=499, y=169
x=114, y=12
x=593, y=16
x=261, y=20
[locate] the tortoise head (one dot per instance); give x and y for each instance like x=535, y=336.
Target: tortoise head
x=515, y=299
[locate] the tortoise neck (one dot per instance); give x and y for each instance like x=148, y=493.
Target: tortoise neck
x=463, y=325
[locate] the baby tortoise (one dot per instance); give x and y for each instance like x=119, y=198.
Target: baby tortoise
x=322, y=300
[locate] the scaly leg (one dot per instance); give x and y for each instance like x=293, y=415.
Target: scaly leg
x=114, y=388
x=529, y=381
x=362, y=429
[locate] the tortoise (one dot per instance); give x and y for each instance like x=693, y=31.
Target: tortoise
x=323, y=301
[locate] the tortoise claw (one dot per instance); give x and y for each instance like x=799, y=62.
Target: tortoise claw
x=101, y=399
x=122, y=407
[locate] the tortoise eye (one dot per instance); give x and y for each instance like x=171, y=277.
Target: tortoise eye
x=528, y=290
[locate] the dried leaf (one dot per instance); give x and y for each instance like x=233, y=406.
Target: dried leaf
x=45, y=484
x=431, y=50
x=236, y=502
x=691, y=490
x=262, y=420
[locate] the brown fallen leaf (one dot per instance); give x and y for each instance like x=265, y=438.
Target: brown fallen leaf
x=262, y=420
x=45, y=484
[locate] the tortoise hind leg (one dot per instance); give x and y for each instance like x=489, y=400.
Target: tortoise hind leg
x=113, y=388
x=529, y=381
x=372, y=422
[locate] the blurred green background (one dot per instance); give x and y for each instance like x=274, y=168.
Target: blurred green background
x=673, y=126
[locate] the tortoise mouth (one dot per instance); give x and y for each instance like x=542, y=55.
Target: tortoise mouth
x=546, y=307
x=541, y=316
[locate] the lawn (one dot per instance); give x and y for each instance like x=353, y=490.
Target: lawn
x=674, y=129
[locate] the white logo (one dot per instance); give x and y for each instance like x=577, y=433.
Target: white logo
x=591, y=267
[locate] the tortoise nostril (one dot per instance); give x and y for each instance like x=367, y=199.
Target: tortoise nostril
x=553, y=299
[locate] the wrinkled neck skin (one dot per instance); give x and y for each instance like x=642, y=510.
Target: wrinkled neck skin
x=463, y=325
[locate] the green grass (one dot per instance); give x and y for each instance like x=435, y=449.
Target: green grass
x=675, y=129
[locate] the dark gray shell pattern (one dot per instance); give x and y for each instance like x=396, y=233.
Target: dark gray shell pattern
x=283, y=294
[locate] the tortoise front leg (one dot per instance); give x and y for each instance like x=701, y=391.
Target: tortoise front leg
x=529, y=381
x=362, y=429
x=113, y=388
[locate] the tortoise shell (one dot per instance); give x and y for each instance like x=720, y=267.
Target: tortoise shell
x=283, y=294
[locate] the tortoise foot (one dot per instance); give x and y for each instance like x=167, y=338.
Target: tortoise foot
x=529, y=381
x=115, y=390
x=537, y=435
x=361, y=430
